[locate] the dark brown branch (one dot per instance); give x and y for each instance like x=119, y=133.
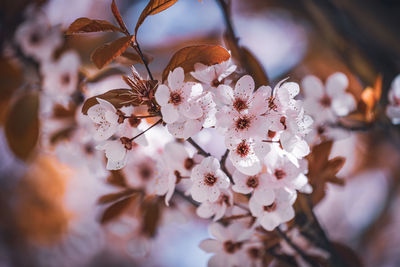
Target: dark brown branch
x=200, y=150
x=223, y=165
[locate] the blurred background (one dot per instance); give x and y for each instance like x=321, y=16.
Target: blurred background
x=49, y=215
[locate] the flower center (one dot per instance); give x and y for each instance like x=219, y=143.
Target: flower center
x=127, y=142
x=65, y=79
x=224, y=199
x=254, y=253
x=34, y=38
x=321, y=130
x=215, y=83
x=175, y=98
x=240, y=104
x=231, y=247
x=279, y=174
x=145, y=172
x=188, y=164
x=243, y=149
x=325, y=101
x=283, y=122
x=243, y=123
x=210, y=179
x=270, y=208
x=252, y=182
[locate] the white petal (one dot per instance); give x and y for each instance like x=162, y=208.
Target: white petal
x=217, y=260
x=106, y=105
x=224, y=94
x=312, y=87
x=205, y=210
x=175, y=79
x=240, y=185
x=162, y=94
x=192, y=110
x=264, y=196
x=210, y=245
x=336, y=84
x=191, y=128
x=244, y=87
x=343, y=104
x=169, y=113
x=218, y=231
x=96, y=113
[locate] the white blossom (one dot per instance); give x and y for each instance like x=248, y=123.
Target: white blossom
x=105, y=117
x=393, y=109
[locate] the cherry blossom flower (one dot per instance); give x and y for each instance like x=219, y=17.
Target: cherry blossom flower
x=256, y=184
x=218, y=208
x=186, y=127
x=251, y=254
x=240, y=115
x=61, y=77
x=179, y=165
x=208, y=180
x=105, y=117
x=326, y=103
x=148, y=173
x=174, y=98
x=37, y=39
x=213, y=75
x=116, y=150
x=393, y=109
x=247, y=154
x=281, y=172
x=270, y=215
x=227, y=245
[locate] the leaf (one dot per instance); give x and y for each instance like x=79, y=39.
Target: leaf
x=118, y=17
x=152, y=8
x=104, y=74
x=116, y=209
x=323, y=170
x=151, y=213
x=107, y=52
x=117, y=97
x=255, y=69
x=130, y=58
x=22, y=125
x=116, y=196
x=188, y=56
x=86, y=25
x=62, y=134
x=116, y=178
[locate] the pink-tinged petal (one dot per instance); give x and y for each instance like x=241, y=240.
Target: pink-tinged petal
x=312, y=87
x=240, y=185
x=292, y=88
x=393, y=112
x=171, y=188
x=111, y=117
x=205, y=210
x=259, y=103
x=104, y=131
x=191, y=110
x=344, y=104
x=191, y=128
x=223, y=180
x=106, y=105
x=220, y=212
x=300, y=181
x=213, y=193
x=176, y=129
x=264, y=196
x=162, y=95
x=228, y=71
x=218, y=231
x=269, y=221
x=175, y=79
x=256, y=208
x=211, y=163
x=218, y=260
x=175, y=153
x=224, y=94
x=285, y=213
x=96, y=113
x=116, y=165
x=169, y=113
x=198, y=191
x=336, y=84
x=114, y=150
x=210, y=245
x=244, y=87
x=196, y=89
x=203, y=73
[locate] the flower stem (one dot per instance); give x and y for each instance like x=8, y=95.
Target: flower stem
x=136, y=136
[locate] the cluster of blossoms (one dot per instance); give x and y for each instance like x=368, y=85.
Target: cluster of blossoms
x=393, y=109
x=264, y=131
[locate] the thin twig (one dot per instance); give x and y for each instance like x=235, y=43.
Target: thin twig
x=223, y=165
x=295, y=247
x=136, y=136
x=199, y=149
x=146, y=64
x=187, y=198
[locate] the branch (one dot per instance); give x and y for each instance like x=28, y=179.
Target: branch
x=223, y=165
x=200, y=150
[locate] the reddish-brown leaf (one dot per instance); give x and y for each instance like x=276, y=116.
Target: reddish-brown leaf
x=61, y=135
x=188, y=56
x=105, y=73
x=116, y=178
x=151, y=214
x=22, y=125
x=116, y=209
x=116, y=196
x=152, y=8
x=118, y=17
x=86, y=25
x=255, y=69
x=131, y=58
x=107, y=52
x=117, y=97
